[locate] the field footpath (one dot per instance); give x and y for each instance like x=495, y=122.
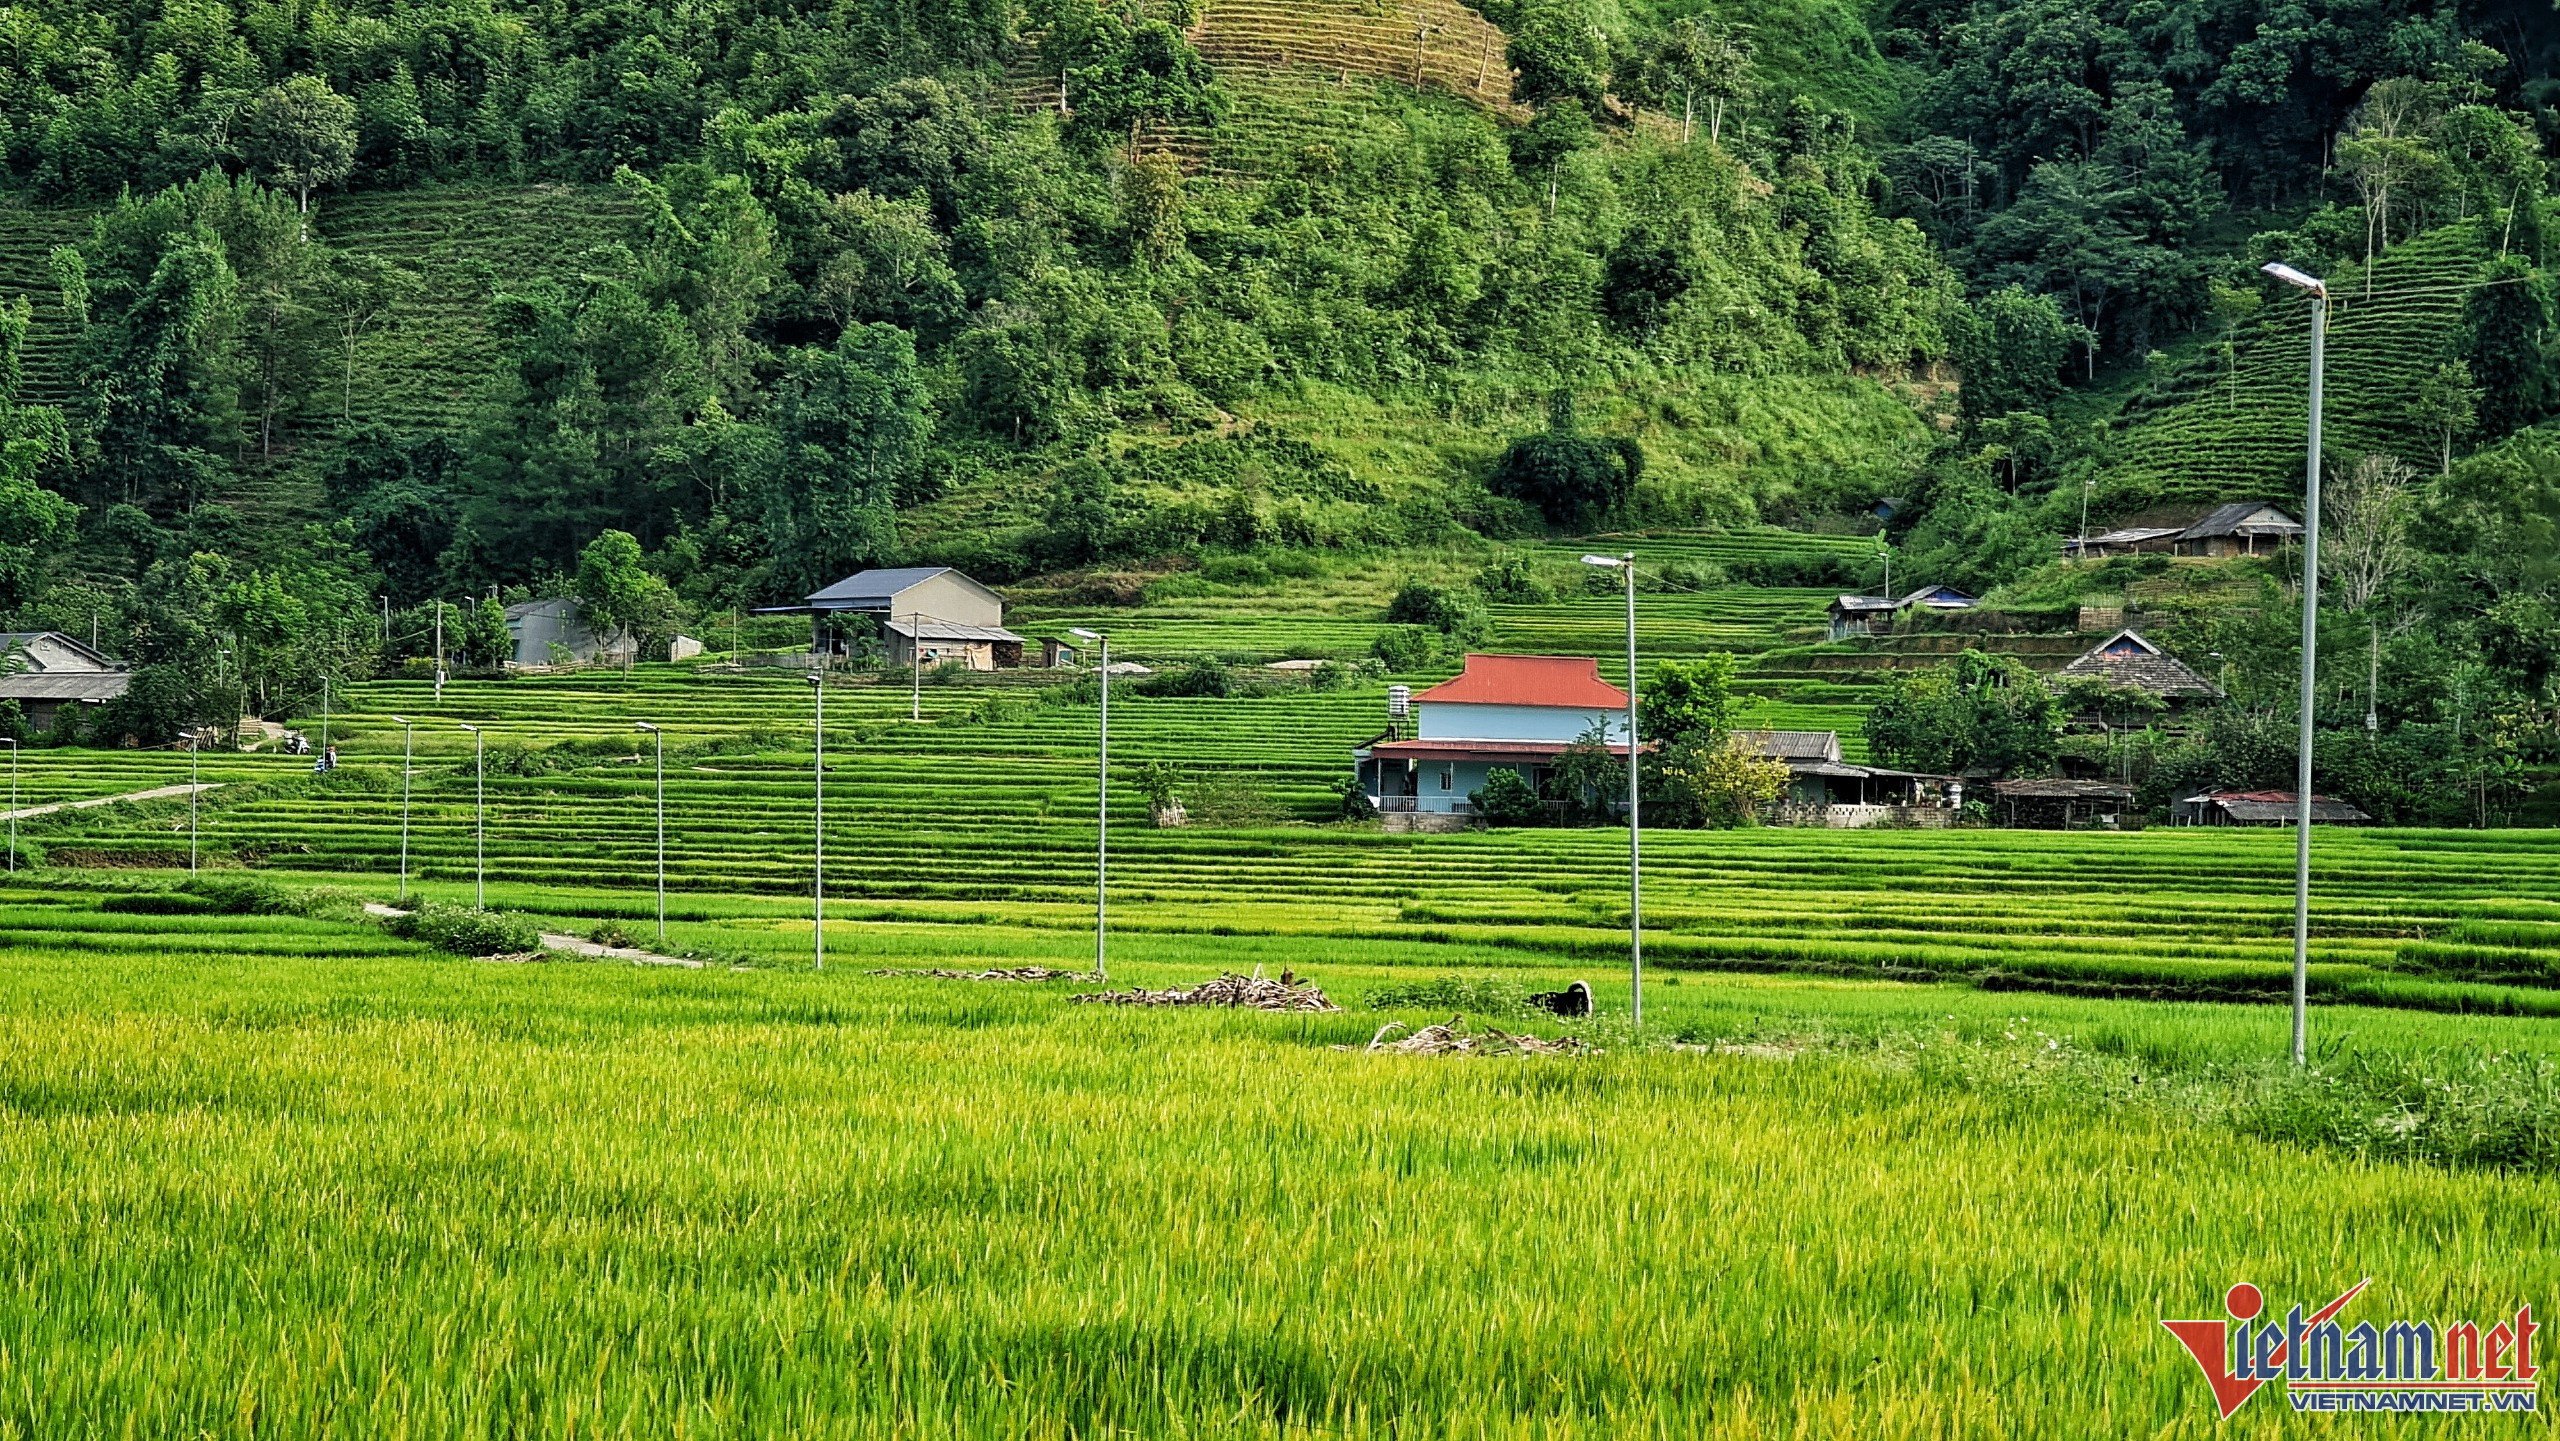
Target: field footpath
x=556, y=941
x=155, y=793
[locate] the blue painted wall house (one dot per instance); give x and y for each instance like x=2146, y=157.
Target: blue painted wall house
x=1501, y=712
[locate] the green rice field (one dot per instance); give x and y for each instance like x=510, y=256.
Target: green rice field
x=1923, y=1134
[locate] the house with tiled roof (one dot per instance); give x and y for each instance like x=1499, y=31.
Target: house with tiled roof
x=2128, y=659
x=1514, y=712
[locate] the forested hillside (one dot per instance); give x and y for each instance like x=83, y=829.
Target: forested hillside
x=311, y=306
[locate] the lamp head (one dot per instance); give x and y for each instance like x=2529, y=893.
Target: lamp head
x=644, y=725
x=2293, y=277
x=402, y=720
x=1081, y=632
x=475, y=730
x=1610, y=561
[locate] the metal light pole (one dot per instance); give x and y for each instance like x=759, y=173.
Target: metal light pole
x=479, y=821
x=408, y=751
x=915, y=650
x=1101, y=812
x=12, y=744
x=818, y=823
x=2319, y=291
x=1635, y=828
x=194, y=743
x=324, y=718
x=661, y=738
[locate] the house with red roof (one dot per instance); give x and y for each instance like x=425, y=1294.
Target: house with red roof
x=1516, y=712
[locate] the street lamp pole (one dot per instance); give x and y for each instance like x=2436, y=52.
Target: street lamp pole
x=818, y=824
x=2319, y=292
x=194, y=743
x=1101, y=811
x=12, y=743
x=661, y=738
x=479, y=820
x=408, y=753
x=1635, y=827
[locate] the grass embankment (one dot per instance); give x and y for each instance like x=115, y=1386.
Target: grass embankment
x=269, y=1175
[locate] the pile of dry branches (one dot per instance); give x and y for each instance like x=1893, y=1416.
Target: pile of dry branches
x=1018, y=973
x=1255, y=992
x=1448, y=1040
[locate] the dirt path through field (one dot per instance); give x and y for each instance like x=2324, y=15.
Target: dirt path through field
x=556, y=941
x=155, y=793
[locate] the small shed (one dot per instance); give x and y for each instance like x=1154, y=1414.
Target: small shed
x=1860, y=615
x=2263, y=808
x=2055, y=803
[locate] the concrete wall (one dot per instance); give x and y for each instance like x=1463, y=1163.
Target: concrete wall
x=1456, y=720
x=947, y=597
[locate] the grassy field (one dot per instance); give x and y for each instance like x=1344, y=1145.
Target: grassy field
x=284, y=1177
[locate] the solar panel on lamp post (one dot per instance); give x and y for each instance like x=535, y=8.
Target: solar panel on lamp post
x=660, y=737
x=2319, y=292
x=1101, y=806
x=818, y=823
x=408, y=752
x=1635, y=828
x=479, y=820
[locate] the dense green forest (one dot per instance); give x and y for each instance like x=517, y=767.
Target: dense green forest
x=315, y=308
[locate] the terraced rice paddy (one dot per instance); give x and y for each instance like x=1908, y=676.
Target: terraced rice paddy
x=982, y=814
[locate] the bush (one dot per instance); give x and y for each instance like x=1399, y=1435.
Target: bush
x=1407, y=648
x=1206, y=677
x=1684, y=575
x=1355, y=801
x=1508, y=799
x=1573, y=480
x=465, y=931
x=234, y=896
x=1485, y=996
x=1452, y=613
x=1807, y=569
x=1512, y=581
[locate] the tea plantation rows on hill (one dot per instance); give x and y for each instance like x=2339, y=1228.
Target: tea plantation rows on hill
x=2212, y=431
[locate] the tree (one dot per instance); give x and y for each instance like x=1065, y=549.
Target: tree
x=619, y=595
x=2366, y=510
x=35, y=524
x=2010, y=347
x=1691, y=700
x=853, y=428
x=2450, y=405
x=1715, y=781
x=1983, y=712
x=483, y=636
x=302, y=135
x=2385, y=153
x=357, y=292
x=1452, y=613
x=2505, y=321
x=1507, y=799
x=1694, y=58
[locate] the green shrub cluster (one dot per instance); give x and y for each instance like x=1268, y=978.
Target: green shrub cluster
x=466, y=931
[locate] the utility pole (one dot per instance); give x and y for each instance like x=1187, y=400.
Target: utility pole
x=439, y=648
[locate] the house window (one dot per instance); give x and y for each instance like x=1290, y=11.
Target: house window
x=1444, y=777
